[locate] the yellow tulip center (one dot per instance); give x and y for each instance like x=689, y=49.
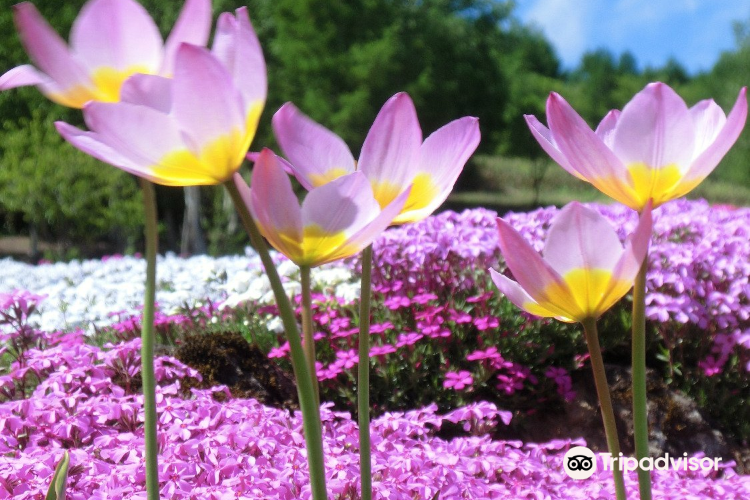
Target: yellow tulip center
x=423, y=191
x=216, y=162
x=108, y=81
x=656, y=183
x=330, y=175
x=587, y=294
x=317, y=247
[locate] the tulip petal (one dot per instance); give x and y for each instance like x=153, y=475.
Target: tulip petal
x=274, y=205
x=153, y=141
x=443, y=156
x=341, y=205
x=636, y=248
x=629, y=263
x=317, y=155
x=587, y=152
x=655, y=129
x=148, y=90
x=367, y=234
x=95, y=145
x=712, y=155
x=342, y=217
x=544, y=138
x=21, y=76
x=605, y=129
x=146, y=133
x=208, y=108
x=708, y=118
x=391, y=149
x=51, y=55
x=192, y=26
x=519, y=297
x=533, y=274
x=117, y=34
x=581, y=238
x=237, y=47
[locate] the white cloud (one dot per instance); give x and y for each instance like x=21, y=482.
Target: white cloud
x=693, y=31
x=565, y=23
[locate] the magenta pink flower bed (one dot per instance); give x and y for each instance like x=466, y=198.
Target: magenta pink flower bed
x=239, y=448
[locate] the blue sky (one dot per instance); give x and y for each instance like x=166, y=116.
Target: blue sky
x=695, y=32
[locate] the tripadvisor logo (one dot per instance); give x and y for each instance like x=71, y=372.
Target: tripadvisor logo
x=579, y=462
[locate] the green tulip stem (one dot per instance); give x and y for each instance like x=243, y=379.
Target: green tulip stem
x=305, y=389
x=147, y=341
x=605, y=402
x=307, y=328
x=363, y=376
x=640, y=404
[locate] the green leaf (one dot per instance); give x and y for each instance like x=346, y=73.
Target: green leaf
x=59, y=479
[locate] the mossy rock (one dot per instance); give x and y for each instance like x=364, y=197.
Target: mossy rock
x=226, y=358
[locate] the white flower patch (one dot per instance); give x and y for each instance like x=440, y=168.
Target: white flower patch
x=90, y=293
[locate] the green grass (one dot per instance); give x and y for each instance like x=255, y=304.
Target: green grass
x=509, y=184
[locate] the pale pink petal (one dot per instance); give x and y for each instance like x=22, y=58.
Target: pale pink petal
x=708, y=118
x=343, y=205
x=443, y=156
x=528, y=268
x=636, y=248
x=345, y=215
x=544, y=137
x=607, y=126
x=582, y=148
x=117, y=34
x=21, y=76
x=581, y=238
x=253, y=156
x=367, y=234
x=47, y=49
x=192, y=26
x=655, y=128
x=629, y=264
x=237, y=47
x=390, y=152
x=513, y=291
x=523, y=300
x=144, y=134
x=205, y=102
x=94, y=145
x=273, y=202
x=585, y=151
x=725, y=139
x=149, y=90
x=312, y=149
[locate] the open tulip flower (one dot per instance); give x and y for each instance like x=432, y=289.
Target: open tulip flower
x=192, y=129
x=336, y=220
x=393, y=155
x=584, y=269
x=656, y=148
x=110, y=40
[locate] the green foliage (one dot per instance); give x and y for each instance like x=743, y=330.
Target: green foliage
x=58, y=486
x=66, y=195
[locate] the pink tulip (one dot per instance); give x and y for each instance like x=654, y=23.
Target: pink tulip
x=192, y=129
x=336, y=220
x=656, y=148
x=110, y=41
x=393, y=155
x=584, y=269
